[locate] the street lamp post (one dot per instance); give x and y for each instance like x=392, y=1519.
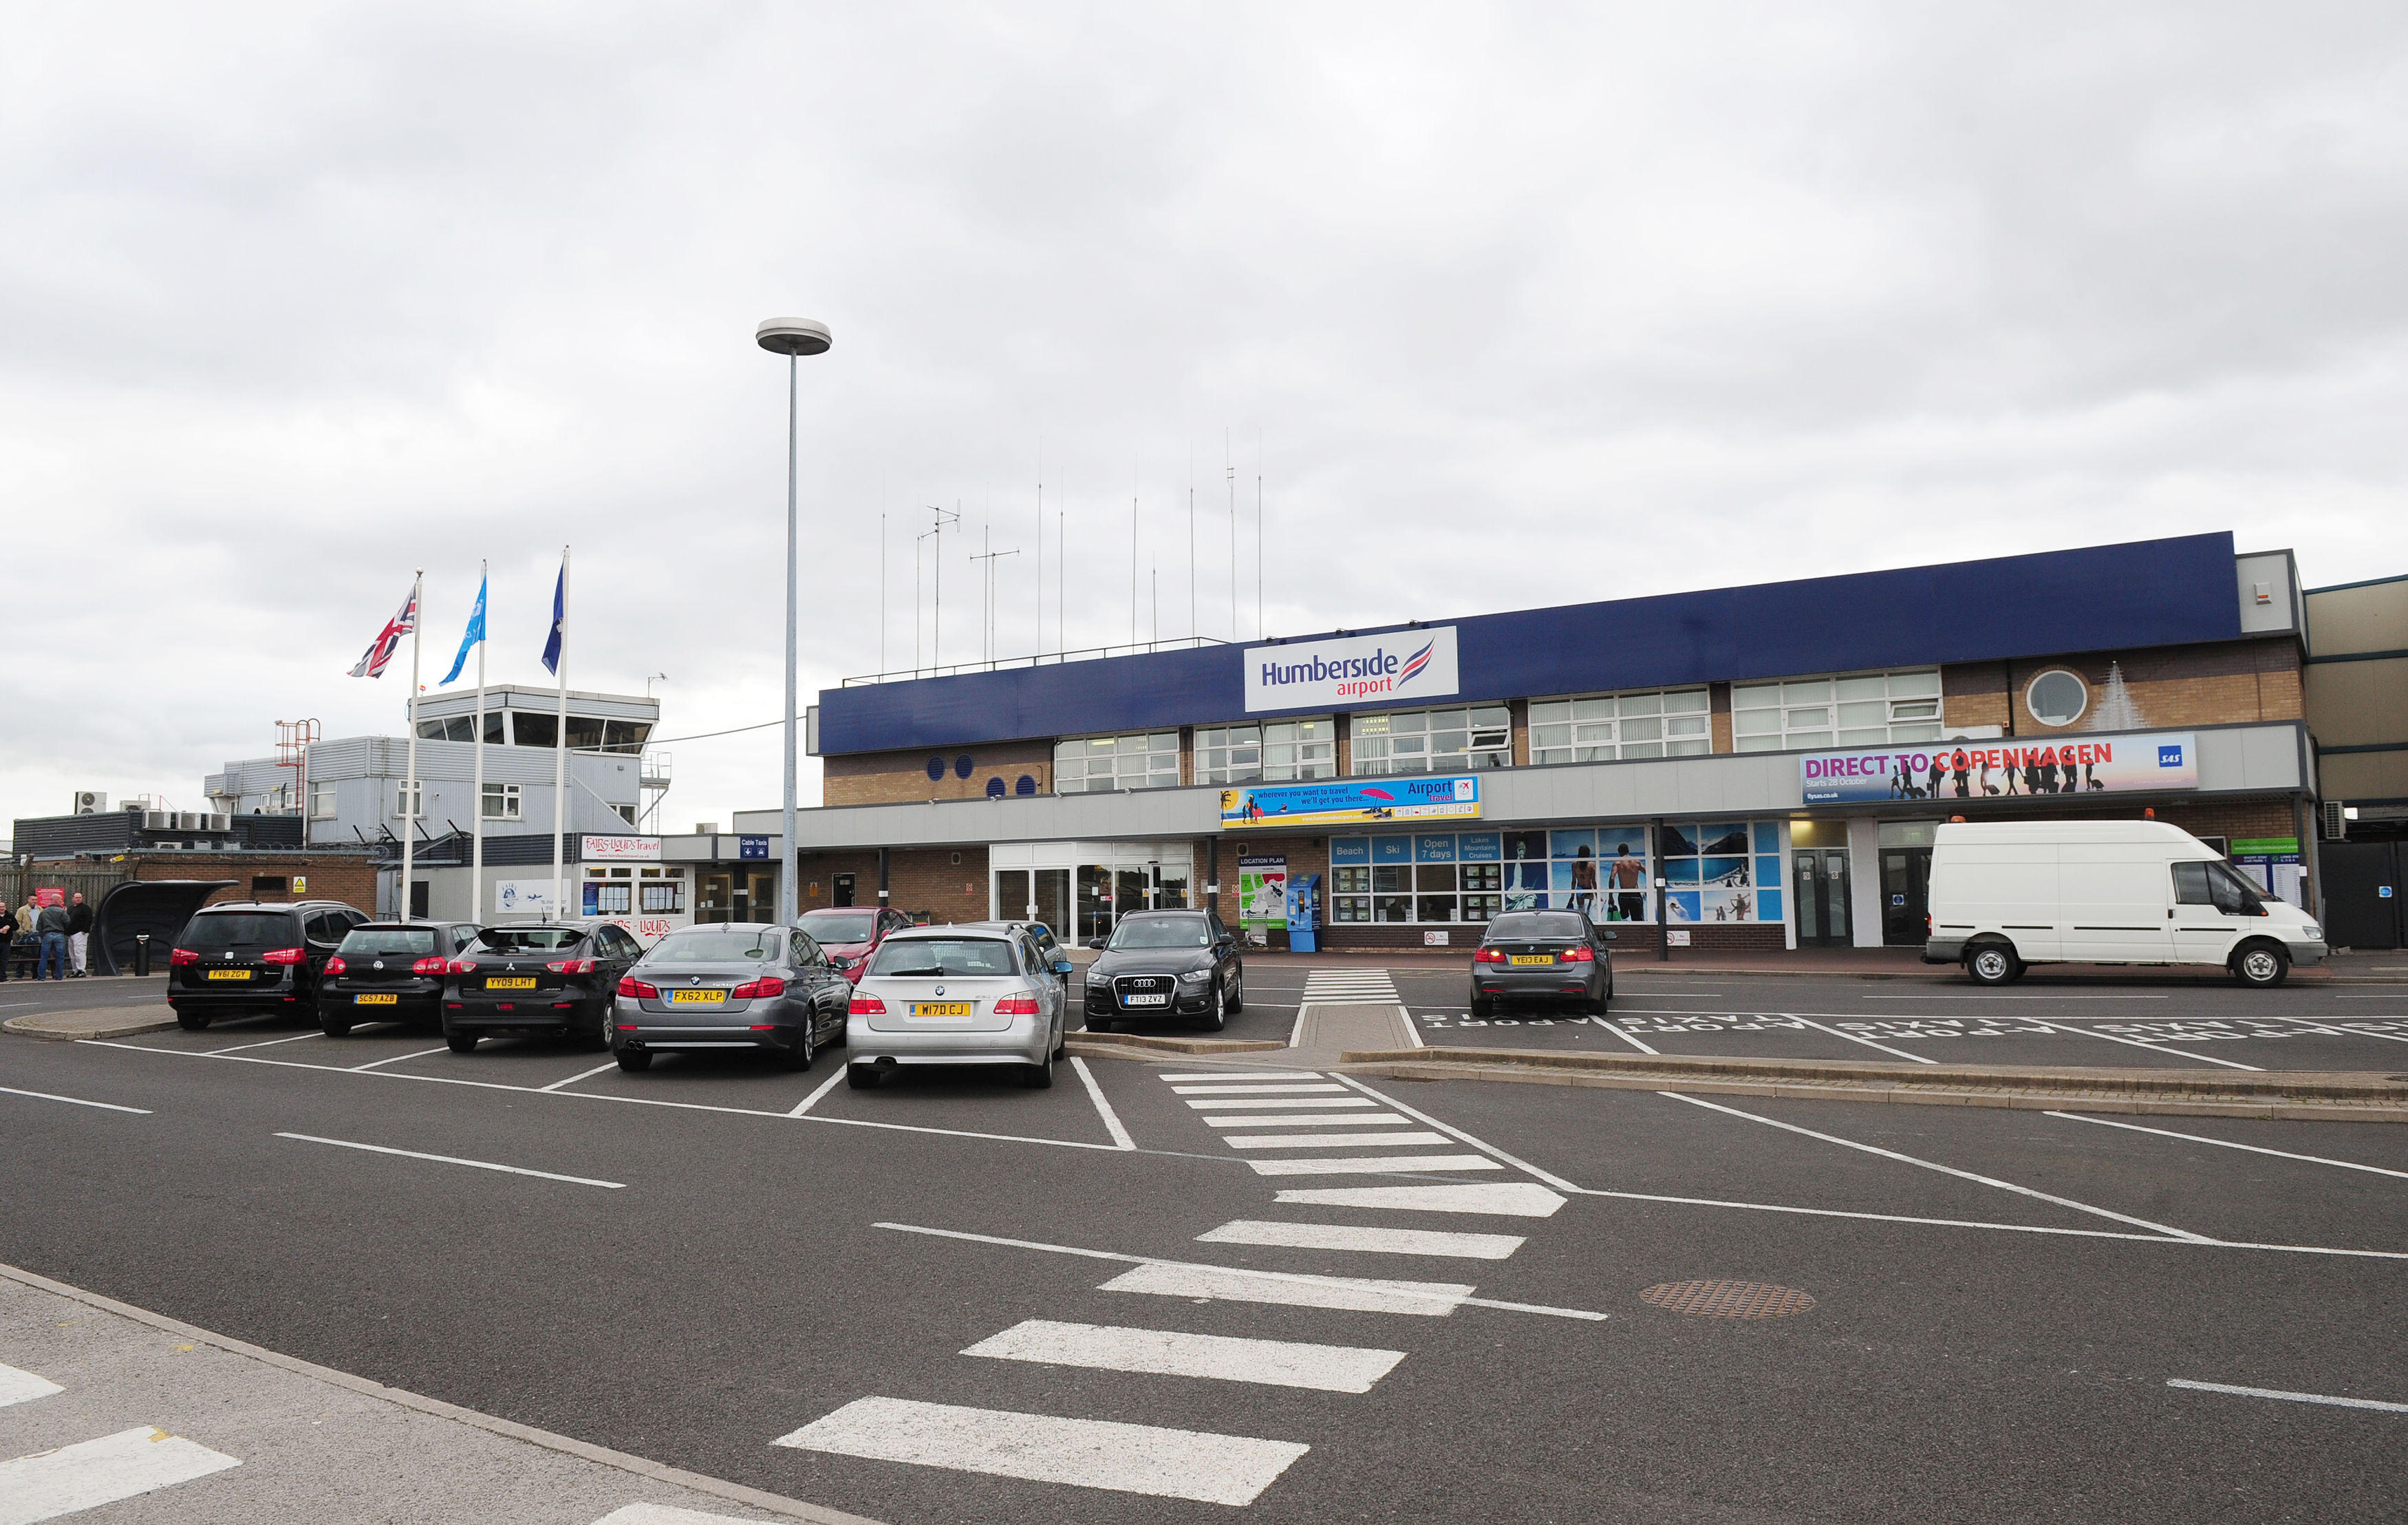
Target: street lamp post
x=792, y=337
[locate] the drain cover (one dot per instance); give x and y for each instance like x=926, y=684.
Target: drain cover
x=1728, y=1298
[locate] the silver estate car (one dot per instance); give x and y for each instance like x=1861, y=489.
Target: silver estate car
x=956, y=995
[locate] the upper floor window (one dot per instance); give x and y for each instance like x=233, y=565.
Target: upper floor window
x=1433, y=740
x=1668, y=723
x=321, y=802
x=1866, y=709
x=1147, y=761
x=1276, y=750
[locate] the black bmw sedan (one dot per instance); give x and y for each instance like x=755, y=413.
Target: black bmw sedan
x=547, y=979
x=1548, y=955
x=1165, y=963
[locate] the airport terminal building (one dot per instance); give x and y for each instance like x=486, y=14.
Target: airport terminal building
x=1752, y=767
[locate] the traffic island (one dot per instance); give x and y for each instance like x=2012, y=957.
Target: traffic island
x=90, y=1022
x=2290, y=1095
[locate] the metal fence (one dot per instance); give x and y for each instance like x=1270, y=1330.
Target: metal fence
x=18, y=883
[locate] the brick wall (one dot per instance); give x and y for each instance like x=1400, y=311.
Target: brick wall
x=1975, y=693
x=349, y=878
x=2217, y=684
x=920, y=879
x=902, y=777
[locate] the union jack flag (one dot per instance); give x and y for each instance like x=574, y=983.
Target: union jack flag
x=387, y=640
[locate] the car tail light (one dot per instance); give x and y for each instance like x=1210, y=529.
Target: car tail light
x=336, y=965
x=1016, y=1006
x=431, y=966
x=1578, y=953
x=630, y=985
x=1927, y=923
x=759, y=990
x=181, y=957
x=571, y=966
x=283, y=955
x=867, y=1005
x=460, y=966
x=1489, y=955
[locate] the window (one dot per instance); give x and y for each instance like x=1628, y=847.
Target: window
x=530, y=728
x=456, y=728
x=268, y=884
x=1433, y=740
x=609, y=898
x=1430, y=876
x=1148, y=761
x=408, y=802
x=1867, y=710
x=2218, y=885
x=584, y=734
x=321, y=802
x=626, y=813
x=625, y=736
x=666, y=897
x=1721, y=871
x=2056, y=697
x=1606, y=726
x=501, y=802
x=1281, y=750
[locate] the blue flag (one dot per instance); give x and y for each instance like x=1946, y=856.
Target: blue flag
x=559, y=619
x=475, y=633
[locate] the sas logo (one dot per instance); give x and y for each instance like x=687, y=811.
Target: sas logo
x=2170, y=757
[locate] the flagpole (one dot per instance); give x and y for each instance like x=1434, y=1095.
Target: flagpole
x=476, y=820
x=410, y=807
x=560, y=760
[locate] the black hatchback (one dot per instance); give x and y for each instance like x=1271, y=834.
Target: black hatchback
x=390, y=971
x=1551, y=956
x=240, y=960
x=540, y=978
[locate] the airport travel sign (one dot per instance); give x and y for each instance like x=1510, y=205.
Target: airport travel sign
x=1978, y=770
x=1345, y=671
x=1352, y=801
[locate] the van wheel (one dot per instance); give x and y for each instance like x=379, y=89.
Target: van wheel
x=1993, y=963
x=2262, y=966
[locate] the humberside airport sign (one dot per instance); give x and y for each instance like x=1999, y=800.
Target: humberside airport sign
x=1400, y=666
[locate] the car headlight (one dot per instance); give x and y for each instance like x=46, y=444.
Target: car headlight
x=2314, y=934
x=1195, y=976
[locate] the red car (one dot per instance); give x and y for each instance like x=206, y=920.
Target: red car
x=852, y=933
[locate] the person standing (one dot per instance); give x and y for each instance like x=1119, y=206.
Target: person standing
x=51, y=926
x=78, y=935
x=27, y=943
x=7, y=936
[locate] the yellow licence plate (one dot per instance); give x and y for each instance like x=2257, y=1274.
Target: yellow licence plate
x=698, y=998
x=378, y=1000
x=522, y=983
x=1534, y=957
x=229, y=974
x=940, y=1009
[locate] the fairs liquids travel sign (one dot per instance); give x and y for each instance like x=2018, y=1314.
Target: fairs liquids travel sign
x=1979, y=770
x=1352, y=801
x=1344, y=671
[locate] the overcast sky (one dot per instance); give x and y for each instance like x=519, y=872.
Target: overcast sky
x=1501, y=310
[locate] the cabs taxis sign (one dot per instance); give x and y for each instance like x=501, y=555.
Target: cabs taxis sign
x=1352, y=801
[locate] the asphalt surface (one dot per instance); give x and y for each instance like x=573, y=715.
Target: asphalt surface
x=1993, y=1338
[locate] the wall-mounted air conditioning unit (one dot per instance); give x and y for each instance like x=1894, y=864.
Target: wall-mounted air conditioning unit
x=2336, y=816
x=219, y=822
x=89, y=801
x=158, y=821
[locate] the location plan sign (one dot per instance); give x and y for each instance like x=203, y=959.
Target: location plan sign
x=1352, y=801
x=1981, y=770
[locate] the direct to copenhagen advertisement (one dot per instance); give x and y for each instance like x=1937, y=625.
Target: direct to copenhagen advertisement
x=2001, y=769
x=1349, y=670
x=1352, y=801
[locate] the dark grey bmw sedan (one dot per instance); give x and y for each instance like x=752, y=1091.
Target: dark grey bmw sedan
x=732, y=986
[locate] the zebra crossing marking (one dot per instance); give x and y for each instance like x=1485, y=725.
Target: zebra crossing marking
x=1497, y=1199
x=1145, y=1459
x=1471, y=1246
x=1251, y=1075
x=1323, y=1086
x=18, y=1387
x=1278, y=1363
x=1230, y=1284
x=1350, y=988
x=47, y=1484
x=666, y=1513
x=1234, y=1104
x=1304, y=1119
x=1375, y=1164
x=1327, y=1141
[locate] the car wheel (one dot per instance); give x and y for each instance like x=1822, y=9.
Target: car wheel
x=801, y=1055
x=2262, y=966
x=1099, y=1024
x=459, y=1043
x=600, y=1036
x=836, y=1033
x=1992, y=964
x=1238, y=995
x=193, y=1021
x=861, y=1077
x=634, y=1060
x=1062, y=1039
x=1215, y=1011
x=1038, y=1077
x=1484, y=1006
x=334, y=1027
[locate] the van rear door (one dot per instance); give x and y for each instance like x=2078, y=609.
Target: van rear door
x=2115, y=897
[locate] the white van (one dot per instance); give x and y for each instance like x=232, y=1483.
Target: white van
x=2005, y=894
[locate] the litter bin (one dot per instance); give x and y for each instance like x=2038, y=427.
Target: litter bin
x=142, y=954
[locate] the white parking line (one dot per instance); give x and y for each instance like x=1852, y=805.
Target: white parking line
x=2289, y=1397
x=270, y=1044
x=2155, y=1049
x=1945, y=1170
x=1085, y=1453
x=18, y=1387
x=1103, y=1108
x=49, y=1484
x=585, y=1075
x=74, y=1101
x=398, y=1057
x=1469, y=1246
x=1107, y=1347
x=1867, y=1042
x=455, y=1159
x=1327, y=1141
x=1938, y=996
x=1623, y=1035
x=2228, y=1144
x=804, y=1106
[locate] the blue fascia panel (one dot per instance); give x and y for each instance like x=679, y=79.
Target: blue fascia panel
x=2098, y=598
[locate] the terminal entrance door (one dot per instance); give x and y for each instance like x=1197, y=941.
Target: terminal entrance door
x=1820, y=878
x=1906, y=879
x=1041, y=895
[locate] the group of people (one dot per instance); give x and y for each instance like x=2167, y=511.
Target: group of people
x=59, y=937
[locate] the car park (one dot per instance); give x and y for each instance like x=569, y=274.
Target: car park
x=1165, y=964
x=1541, y=956
x=730, y=986
x=390, y=971
x=850, y=933
x=974, y=995
x=244, y=958
x=536, y=978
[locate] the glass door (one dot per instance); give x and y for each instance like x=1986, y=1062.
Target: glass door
x=1906, y=879
x=1820, y=878
x=1051, y=893
x=1010, y=894
x=1094, y=901
x=717, y=900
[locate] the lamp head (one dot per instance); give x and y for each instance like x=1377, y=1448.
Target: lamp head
x=792, y=335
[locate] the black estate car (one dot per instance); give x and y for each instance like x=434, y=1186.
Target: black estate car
x=244, y=958
x=1165, y=963
x=1541, y=956
x=547, y=979
x=390, y=971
